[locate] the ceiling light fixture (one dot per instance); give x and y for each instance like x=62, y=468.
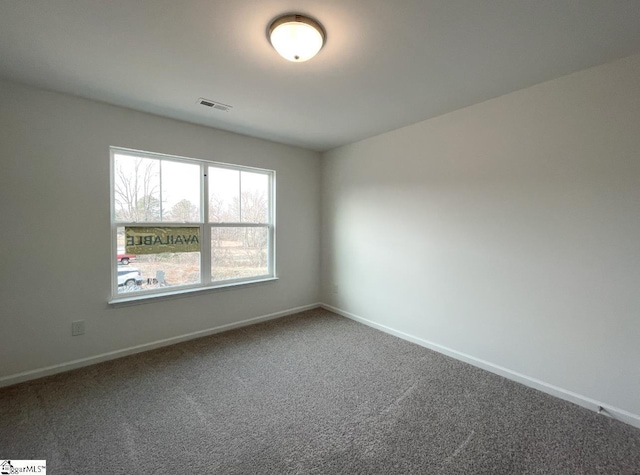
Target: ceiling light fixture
x=296, y=38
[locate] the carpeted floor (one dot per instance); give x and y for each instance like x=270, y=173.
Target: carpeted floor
x=310, y=393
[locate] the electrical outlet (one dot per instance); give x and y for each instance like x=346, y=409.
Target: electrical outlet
x=335, y=288
x=77, y=328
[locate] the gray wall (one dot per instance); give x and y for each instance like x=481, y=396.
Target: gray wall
x=508, y=231
x=55, y=246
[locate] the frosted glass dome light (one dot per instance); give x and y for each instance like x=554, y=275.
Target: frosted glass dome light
x=296, y=38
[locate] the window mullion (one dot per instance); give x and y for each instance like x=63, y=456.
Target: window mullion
x=205, y=229
x=239, y=225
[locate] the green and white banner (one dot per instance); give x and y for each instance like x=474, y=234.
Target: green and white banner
x=158, y=240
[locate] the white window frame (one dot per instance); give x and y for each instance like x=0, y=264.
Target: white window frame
x=205, y=230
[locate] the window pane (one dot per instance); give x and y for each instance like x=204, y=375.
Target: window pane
x=151, y=271
x=224, y=195
x=255, y=197
x=157, y=221
x=136, y=189
x=180, y=192
x=238, y=252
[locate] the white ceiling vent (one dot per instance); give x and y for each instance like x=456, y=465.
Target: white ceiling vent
x=214, y=105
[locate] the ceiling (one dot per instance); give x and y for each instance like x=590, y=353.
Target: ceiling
x=386, y=63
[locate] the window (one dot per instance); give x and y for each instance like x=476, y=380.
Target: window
x=180, y=224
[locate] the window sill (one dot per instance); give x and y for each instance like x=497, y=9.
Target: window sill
x=179, y=293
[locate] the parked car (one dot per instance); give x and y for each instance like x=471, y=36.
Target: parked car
x=125, y=258
x=129, y=277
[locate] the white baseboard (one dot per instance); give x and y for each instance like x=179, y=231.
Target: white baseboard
x=69, y=365
x=580, y=400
